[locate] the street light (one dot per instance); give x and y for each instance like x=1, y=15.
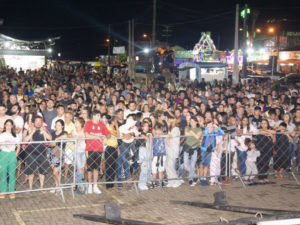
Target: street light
x=146, y=50
x=258, y=30
x=145, y=35
x=107, y=40
x=271, y=30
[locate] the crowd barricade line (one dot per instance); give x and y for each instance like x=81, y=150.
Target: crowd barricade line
x=152, y=163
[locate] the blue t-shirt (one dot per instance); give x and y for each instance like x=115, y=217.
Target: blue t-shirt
x=159, y=146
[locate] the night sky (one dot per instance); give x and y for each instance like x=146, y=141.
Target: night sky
x=83, y=25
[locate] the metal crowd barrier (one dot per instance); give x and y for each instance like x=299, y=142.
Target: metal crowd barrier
x=154, y=162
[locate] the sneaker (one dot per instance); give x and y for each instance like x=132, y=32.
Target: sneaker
x=143, y=188
x=169, y=185
x=176, y=185
x=90, y=189
x=96, y=190
x=203, y=183
x=12, y=196
x=190, y=182
x=226, y=183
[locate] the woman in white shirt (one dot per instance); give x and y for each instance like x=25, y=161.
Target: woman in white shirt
x=8, y=157
x=245, y=130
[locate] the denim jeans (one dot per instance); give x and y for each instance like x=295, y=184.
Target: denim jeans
x=242, y=157
x=122, y=161
x=189, y=164
x=145, y=174
x=180, y=163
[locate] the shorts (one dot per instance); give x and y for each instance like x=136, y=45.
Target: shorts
x=68, y=156
x=158, y=163
x=199, y=157
x=93, y=161
x=22, y=154
x=205, y=158
x=36, y=161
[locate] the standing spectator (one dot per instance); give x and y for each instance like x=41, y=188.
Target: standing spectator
x=127, y=148
x=252, y=155
x=144, y=156
x=190, y=148
x=159, y=155
x=172, y=153
x=3, y=117
x=8, y=157
x=58, y=134
x=281, y=150
x=97, y=134
x=60, y=116
x=111, y=152
x=50, y=113
x=36, y=152
x=69, y=149
x=264, y=144
x=78, y=133
x=208, y=146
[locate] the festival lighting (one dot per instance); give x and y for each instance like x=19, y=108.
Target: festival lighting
x=146, y=50
x=7, y=44
x=49, y=50
x=258, y=30
x=250, y=50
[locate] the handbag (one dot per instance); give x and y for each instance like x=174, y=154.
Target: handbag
x=56, y=151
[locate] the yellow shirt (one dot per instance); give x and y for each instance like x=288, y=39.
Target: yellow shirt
x=113, y=142
x=69, y=129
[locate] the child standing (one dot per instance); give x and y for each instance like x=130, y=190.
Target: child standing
x=159, y=154
x=252, y=156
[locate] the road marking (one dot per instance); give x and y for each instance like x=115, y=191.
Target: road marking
x=59, y=208
x=112, y=195
x=18, y=218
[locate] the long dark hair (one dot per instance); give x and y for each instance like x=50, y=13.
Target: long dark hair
x=248, y=125
x=13, y=130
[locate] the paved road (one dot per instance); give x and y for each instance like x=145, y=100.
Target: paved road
x=151, y=206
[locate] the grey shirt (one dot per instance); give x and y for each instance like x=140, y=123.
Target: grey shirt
x=49, y=116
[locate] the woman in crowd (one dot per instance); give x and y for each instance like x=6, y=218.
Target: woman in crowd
x=8, y=157
x=190, y=148
x=264, y=144
x=57, y=148
x=173, y=143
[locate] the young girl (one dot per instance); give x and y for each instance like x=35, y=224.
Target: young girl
x=252, y=155
x=144, y=156
x=8, y=157
x=54, y=154
x=159, y=154
x=215, y=164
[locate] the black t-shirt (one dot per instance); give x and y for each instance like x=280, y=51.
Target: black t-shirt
x=37, y=148
x=164, y=126
x=54, y=136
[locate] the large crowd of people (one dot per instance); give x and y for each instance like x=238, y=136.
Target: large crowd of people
x=152, y=131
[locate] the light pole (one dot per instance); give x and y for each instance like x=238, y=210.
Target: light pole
x=147, y=50
x=146, y=36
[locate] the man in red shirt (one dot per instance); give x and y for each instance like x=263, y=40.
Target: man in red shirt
x=97, y=132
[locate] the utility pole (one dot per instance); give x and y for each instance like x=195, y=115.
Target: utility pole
x=154, y=24
x=244, y=71
x=167, y=33
x=235, y=77
x=129, y=48
x=108, y=48
x=132, y=49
